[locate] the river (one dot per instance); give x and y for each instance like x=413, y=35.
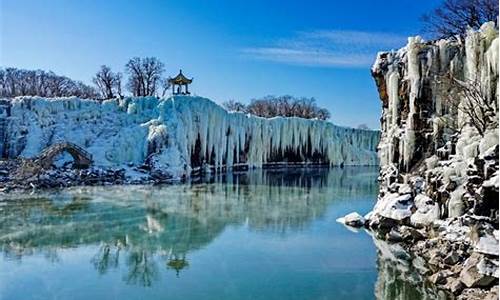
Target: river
x=256, y=235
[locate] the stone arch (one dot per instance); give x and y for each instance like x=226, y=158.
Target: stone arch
x=82, y=159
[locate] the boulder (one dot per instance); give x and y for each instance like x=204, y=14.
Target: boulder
x=427, y=211
x=471, y=275
x=437, y=278
x=410, y=234
x=493, y=294
x=452, y=258
x=404, y=189
x=454, y=285
x=394, y=236
x=394, y=206
x=353, y=219
x=473, y=294
x=488, y=267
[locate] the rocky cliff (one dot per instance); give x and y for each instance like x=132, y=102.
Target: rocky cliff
x=436, y=215
x=439, y=157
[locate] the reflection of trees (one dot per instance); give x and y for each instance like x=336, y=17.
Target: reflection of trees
x=135, y=224
x=106, y=258
x=142, y=268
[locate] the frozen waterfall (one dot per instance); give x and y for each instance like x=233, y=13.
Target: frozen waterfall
x=177, y=134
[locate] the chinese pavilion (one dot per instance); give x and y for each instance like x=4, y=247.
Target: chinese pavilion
x=180, y=84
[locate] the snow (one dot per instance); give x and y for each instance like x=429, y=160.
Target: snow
x=392, y=89
x=487, y=245
x=427, y=211
x=394, y=206
x=489, y=141
x=178, y=133
x=493, y=181
x=456, y=205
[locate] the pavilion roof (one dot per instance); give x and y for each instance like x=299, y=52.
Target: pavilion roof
x=180, y=79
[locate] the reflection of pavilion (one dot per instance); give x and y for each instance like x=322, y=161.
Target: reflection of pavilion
x=177, y=264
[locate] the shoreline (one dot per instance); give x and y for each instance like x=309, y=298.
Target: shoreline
x=10, y=180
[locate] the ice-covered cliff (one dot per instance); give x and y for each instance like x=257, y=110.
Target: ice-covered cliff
x=426, y=122
x=177, y=134
x=417, y=112
x=439, y=157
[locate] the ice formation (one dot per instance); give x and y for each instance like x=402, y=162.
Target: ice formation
x=426, y=136
x=409, y=84
x=177, y=134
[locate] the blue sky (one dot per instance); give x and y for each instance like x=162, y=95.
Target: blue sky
x=234, y=49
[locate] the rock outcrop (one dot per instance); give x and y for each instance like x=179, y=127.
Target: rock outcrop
x=439, y=158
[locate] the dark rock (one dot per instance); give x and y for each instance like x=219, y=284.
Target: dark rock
x=438, y=278
x=394, y=236
x=410, y=234
x=452, y=258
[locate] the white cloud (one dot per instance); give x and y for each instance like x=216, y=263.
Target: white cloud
x=328, y=48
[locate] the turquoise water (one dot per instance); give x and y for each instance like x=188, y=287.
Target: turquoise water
x=258, y=235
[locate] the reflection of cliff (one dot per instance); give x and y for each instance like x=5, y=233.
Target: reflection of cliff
x=144, y=222
x=399, y=276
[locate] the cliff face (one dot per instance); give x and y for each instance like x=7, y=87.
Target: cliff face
x=177, y=134
x=426, y=125
x=439, y=157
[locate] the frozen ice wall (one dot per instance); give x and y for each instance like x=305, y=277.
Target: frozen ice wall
x=176, y=134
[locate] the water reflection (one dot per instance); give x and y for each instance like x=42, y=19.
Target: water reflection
x=141, y=231
x=400, y=275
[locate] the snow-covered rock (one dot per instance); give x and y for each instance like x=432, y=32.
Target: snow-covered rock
x=478, y=271
x=427, y=211
x=353, y=219
x=487, y=245
x=394, y=206
x=178, y=133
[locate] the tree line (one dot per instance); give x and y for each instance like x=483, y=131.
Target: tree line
x=18, y=82
x=286, y=106
x=145, y=78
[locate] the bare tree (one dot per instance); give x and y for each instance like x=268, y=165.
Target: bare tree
x=135, y=81
x=468, y=97
x=153, y=69
x=233, y=105
x=453, y=17
x=107, y=82
x=118, y=84
x=144, y=75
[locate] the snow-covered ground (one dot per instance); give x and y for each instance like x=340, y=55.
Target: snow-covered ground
x=174, y=135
